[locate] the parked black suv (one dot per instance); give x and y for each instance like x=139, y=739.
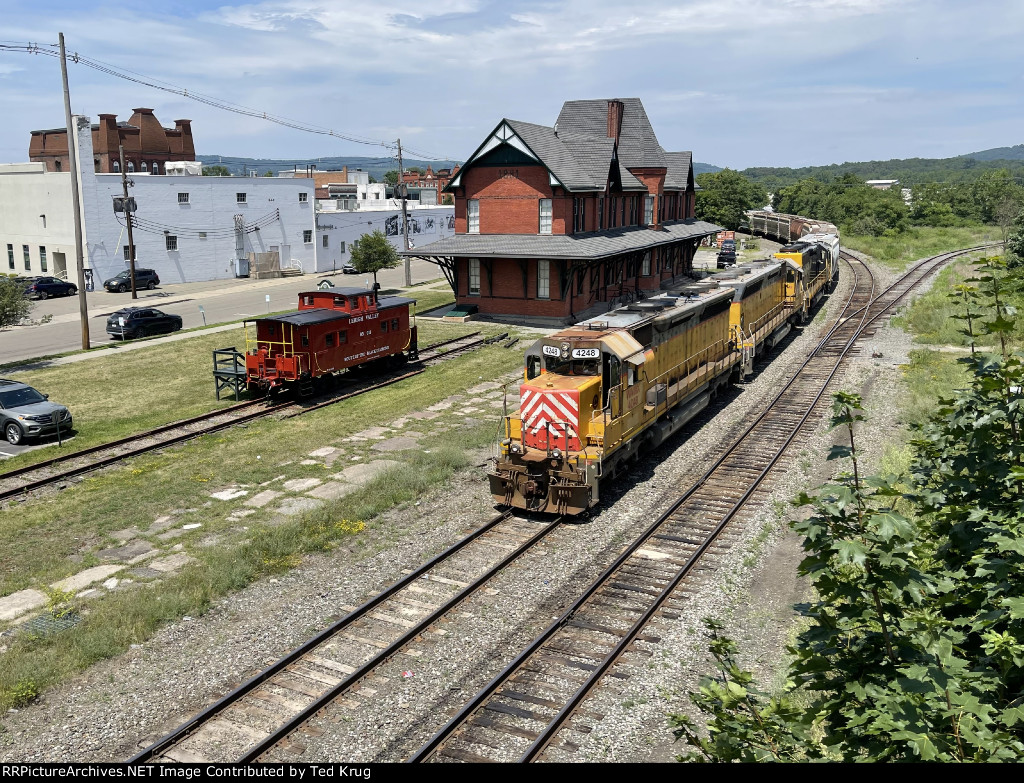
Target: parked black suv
x=727, y=255
x=132, y=322
x=25, y=413
x=45, y=287
x=144, y=278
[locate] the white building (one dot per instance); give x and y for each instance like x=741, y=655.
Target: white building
x=187, y=228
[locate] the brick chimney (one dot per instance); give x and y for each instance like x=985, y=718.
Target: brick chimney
x=615, y=109
x=188, y=149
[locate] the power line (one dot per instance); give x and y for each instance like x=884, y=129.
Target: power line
x=50, y=50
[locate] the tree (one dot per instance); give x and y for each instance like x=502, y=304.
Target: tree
x=216, y=171
x=268, y=173
x=914, y=648
x=725, y=195
x=373, y=253
x=14, y=307
x=391, y=177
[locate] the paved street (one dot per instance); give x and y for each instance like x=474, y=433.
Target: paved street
x=222, y=300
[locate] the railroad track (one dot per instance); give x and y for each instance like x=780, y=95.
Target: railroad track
x=522, y=713
x=263, y=712
x=59, y=470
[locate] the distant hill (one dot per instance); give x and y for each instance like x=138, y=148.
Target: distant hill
x=998, y=153
x=375, y=166
x=704, y=168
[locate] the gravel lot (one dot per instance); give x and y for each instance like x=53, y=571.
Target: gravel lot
x=105, y=713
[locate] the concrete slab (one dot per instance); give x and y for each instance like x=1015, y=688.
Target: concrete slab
x=170, y=563
x=193, y=526
x=229, y=494
x=240, y=513
x=20, y=602
x=125, y=535
x=333, y=490
x=260, y=499
x=145, y=573
x=167, y=535
x=268, y=483
x=441, y=406
x=111, y=583
x=302, y=484
x=144, y=556
x=483, y=387
x=326, y=451
x=309, y=462
x=292, y=506
x=85, y=578
x=360, y=474
x=373, y=433
x=424, y=415
x=396, y=444
x=399, y=423
x=161, y=523
x=126, y=553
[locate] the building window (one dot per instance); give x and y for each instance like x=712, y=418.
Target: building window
x=183, y=198
x=10, y=256
x=42, y=258
x=645, y=268
x=307, y=237
x=648, y=210
x=600, y=213
x=341, y=247
x=171, y=241
x=131, y=166
x=624, y=199
x=156, y=167
x=579, y=220
x=239, y=198
x=303, y=197
x=117, y=166
x=545, y=216
x=543, y=279
x=324, y=240
x=144, y=166
x=473, y=217
x=127, y=252
x=474, y=277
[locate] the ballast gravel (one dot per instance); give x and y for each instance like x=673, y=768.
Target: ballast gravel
x=116, y=707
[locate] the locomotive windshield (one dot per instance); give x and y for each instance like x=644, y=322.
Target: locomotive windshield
x=560, y=366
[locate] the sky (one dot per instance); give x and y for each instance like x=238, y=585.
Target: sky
x=738, y=82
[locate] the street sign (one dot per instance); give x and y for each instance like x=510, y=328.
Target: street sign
x=202, y=312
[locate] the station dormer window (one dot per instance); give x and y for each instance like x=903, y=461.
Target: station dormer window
x=545, y=216
x=472, y=216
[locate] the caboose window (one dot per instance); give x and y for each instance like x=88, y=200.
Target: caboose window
x=271, y=330
x=342, y=337
x=305, y=341
x=384, y=326
x=330, y=340
x=394, y=324
x=307, y=300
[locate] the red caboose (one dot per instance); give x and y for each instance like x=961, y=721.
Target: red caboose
x=333, y=329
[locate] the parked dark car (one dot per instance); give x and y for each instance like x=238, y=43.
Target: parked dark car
x=132, y=322
x=45, y=287
x=727, y=255
x=144, y=278
x=25, y=413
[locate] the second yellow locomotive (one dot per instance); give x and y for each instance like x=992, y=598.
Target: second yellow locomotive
x=599, y=392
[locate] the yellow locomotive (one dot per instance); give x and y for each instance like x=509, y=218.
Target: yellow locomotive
x=599, y=392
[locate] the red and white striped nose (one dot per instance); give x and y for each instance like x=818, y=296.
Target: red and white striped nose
x=551, y=418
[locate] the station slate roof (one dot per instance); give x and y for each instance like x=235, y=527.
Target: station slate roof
x=582, y=247
x=638, y=146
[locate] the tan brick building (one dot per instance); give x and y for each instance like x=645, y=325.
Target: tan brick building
x=148, y=146
x=556, y=224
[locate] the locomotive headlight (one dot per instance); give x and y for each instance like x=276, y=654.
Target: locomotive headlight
x=565, y=350
x=514, y=448
x=556, y=454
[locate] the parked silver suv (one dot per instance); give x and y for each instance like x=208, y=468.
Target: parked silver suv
x=25, y=413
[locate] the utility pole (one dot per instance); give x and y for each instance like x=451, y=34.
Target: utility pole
x=404, y=191
x=128, y=221
x=83, y=305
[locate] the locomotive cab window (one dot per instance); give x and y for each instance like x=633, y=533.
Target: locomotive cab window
x=532, y=367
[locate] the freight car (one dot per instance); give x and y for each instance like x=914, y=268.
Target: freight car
x=601, y=391
x=334, y=329
x=786, y=228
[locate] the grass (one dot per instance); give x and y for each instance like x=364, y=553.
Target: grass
x=50, y=538
x=115, y=396
x=918, y=242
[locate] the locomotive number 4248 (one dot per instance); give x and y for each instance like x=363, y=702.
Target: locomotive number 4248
x=586, y=353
